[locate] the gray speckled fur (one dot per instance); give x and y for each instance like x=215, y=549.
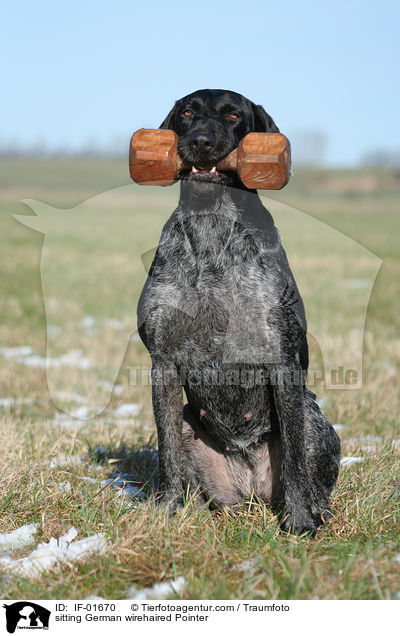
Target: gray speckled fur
x=221, y=314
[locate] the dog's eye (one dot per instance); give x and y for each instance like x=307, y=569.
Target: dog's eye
x=233, y=116
x=187, y=113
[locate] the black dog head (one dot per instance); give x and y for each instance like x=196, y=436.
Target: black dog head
x=210, y=124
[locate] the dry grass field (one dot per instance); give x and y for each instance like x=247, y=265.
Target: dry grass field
x=53, y=466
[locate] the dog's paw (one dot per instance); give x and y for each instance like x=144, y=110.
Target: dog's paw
x=169, y=502
x=299, y=522
x=323, y=517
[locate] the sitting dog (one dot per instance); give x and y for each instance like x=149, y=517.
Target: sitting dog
x=221, y=315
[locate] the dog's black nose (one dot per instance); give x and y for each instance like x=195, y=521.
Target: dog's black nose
x=202, y=142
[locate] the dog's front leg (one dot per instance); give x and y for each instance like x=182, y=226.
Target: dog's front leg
x=289, y=402
x=167, y=407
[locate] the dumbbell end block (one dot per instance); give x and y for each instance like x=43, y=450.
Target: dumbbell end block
x=263, y=161
x=153, y=152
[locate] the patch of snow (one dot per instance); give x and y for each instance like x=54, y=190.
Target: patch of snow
x=375, y=440
x=323, y=402
x=115, y=324
x=12, y=401
x=76, y=418
x=38, y=361
x=359, y=283
x=387, y=366
x=90, y=322
x=15, y=352
x=117, y=389
x=63, y=460
x=127, y=501
x=124, y=489
x=90, y=480
x=105, y=384
x=64, y=486
x=369, y=439
x=248, y=566
x=95, y=467
x=67, y=424
x=338, y=427
x=56, y=551
x=69, y=396
x=87, y=322
x=95, y=598
x=370, y=443
x=18, y=538
x=127, y=410
x=122, y=481
x=159, y=591
x=73, y=358
x=53, y=330
x=82, y=413
x=348, y=461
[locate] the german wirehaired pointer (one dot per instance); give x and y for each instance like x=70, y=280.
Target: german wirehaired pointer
x=221, y=315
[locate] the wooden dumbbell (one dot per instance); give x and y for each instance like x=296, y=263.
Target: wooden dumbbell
x=262, y=160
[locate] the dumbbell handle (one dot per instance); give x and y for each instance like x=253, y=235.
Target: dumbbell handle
x=262, y=160
x=227, y=163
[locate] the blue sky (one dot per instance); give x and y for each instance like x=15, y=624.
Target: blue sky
x=78, y=71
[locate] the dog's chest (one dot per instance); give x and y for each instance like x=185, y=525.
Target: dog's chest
x=207, y=307
x=216, y=292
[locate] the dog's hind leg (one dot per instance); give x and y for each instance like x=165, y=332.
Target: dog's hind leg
x=289, y=400
x=322, y=456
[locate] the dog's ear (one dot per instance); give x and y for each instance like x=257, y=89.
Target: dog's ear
x=262, y=121
x=168, y=122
